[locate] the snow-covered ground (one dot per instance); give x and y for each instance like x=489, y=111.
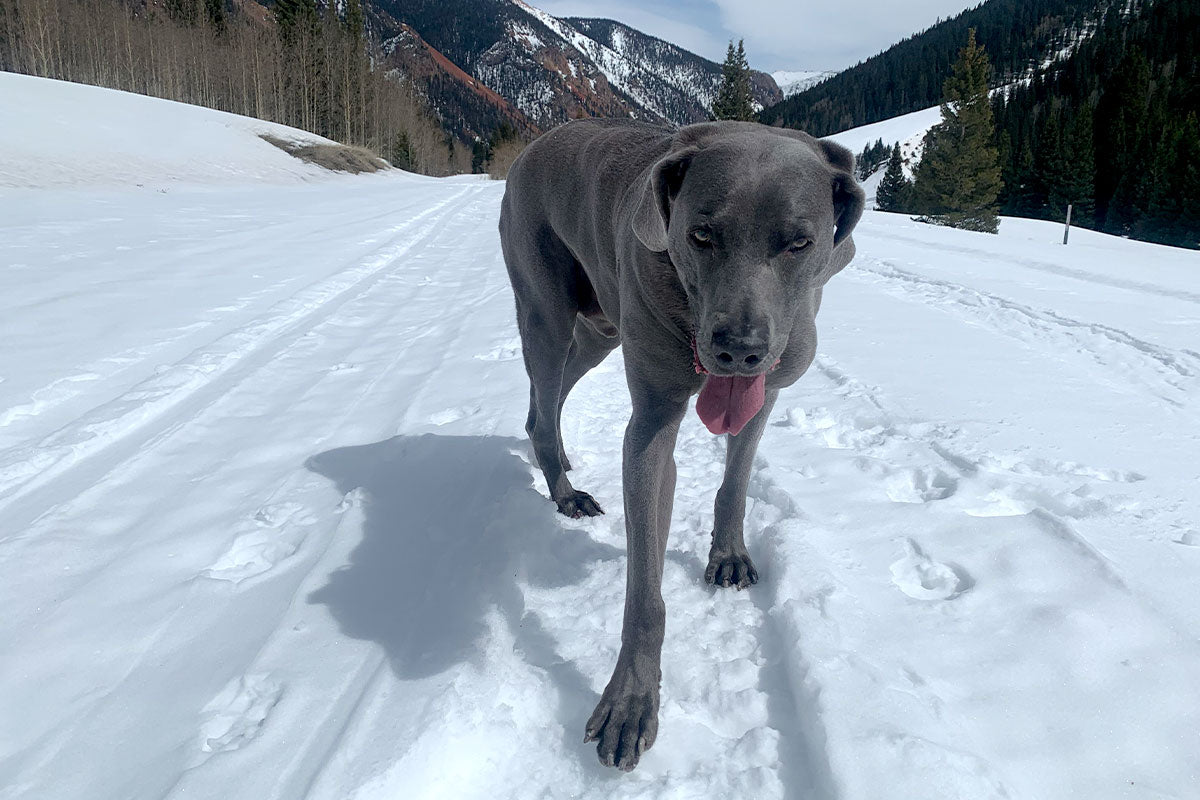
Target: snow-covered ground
x=268, y=526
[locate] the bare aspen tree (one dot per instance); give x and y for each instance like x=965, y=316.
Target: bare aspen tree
x=326, y=75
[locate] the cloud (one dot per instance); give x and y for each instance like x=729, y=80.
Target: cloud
x=806, y=34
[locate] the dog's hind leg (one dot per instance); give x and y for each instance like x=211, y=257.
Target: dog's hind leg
x=729, y=562
x=546, y=318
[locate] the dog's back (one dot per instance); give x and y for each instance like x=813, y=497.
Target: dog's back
x=572, y=179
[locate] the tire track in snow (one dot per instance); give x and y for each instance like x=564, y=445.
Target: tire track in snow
x=261, y=540
x=1170, y=375
x=284, y=381
x=352, y=696
x=285, y=548
x=49, y=397
x=147, y=409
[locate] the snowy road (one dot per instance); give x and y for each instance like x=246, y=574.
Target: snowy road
x=268, y=527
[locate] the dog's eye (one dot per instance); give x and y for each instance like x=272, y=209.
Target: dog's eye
x=798, y=245
x=702, y=237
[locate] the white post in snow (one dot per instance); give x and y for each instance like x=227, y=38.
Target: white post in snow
x=1067, y=230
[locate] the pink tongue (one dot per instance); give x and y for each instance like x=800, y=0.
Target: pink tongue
x=725, y=405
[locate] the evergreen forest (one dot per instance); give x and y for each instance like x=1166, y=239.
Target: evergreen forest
x=909, y=75
x=1112, y=129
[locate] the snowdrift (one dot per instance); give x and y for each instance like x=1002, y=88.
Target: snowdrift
x=66, y=134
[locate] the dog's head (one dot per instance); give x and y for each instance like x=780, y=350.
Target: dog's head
x=752, y=217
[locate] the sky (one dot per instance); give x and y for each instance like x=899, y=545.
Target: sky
x=779, y=34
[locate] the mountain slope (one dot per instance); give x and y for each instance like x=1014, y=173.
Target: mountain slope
x=675, y=83
x=269, y=528
x=551, y=69
x=465, y=106
x=792, y=82
x=1017, y=34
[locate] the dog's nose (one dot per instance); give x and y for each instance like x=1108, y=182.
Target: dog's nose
x=739, y=350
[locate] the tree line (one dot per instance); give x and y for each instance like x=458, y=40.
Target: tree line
x=306, y=65
x=1113, y=129
x=909, y=75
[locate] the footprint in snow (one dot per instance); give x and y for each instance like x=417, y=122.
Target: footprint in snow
x=844, y=432
x=1048, y=468
x=502, y=352
x=1018, y=499
x=275, y=533
x=922, y=578
x=446, y=416
x=235, y=717
x=920, y=486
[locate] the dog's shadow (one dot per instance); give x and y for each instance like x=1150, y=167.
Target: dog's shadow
x=452, y=525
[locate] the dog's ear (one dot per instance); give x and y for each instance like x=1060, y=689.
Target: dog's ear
x=848, y=196
x=837, y=156
x=848, y=201
x=652, y=215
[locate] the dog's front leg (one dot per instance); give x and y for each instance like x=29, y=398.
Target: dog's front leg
x=729, y=562
x=626, y=720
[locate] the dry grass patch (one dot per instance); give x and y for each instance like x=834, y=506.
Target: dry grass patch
x=337, y=157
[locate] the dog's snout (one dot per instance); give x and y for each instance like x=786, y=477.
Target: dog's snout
x=740, y=350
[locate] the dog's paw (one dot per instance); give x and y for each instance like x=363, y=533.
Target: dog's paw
x=579, y=504
x=730, y=569
x=624, y=725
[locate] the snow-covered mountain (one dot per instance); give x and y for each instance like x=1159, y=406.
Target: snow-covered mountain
x=672, y=82
x=792, y=82
x=269, y=526
x=550, y=69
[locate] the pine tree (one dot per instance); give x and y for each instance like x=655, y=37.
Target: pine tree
x=214, y=12
x=958, y=178
x=871, y=158
x=734, y=99
x=401, y=153
x=353, y=20
x=1186, y=186
x=1121, y=142
x=1071, y=169
x=894, y=188
x=297, y=18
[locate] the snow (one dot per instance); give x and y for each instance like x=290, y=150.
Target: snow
x=904, y=128
x=792, y=82
x=44, y=145
x=269, y=529
x=525, y=34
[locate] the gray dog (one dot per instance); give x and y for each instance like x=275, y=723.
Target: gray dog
x=703, y=251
